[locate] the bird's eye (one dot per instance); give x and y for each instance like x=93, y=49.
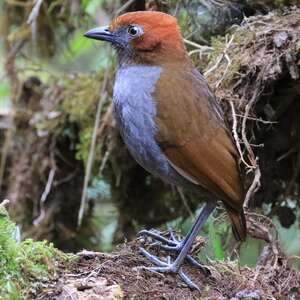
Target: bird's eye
x=133, y=30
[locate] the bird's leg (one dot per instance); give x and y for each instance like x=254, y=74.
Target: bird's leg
x=158, y=236
x=176, y=245
x=173, y=245
x=175, y=267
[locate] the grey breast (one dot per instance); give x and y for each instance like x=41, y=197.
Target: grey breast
x=135, y=111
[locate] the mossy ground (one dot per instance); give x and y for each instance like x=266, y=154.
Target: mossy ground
x=118, y=276
x=25, y=265
x=36, y=270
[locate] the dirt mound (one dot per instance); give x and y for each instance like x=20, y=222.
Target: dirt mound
x=97, y=275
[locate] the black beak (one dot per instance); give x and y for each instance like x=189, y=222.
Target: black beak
x=100, y=33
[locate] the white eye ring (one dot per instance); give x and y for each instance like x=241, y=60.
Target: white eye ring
x=134, y=30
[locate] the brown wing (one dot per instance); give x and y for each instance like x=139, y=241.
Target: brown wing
x=193, y=135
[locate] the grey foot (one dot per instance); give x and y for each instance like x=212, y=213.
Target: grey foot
x=167, y=267
x=173, y=245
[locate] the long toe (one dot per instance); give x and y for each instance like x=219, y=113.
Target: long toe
x=167, y=267
x=192, y=261
x=152, y=258
x=188, y=281
x=158, y=236
x=173, y=245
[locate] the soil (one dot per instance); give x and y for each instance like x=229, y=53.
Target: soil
x=117, y=275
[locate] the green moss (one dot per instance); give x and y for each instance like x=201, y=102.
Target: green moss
x=218, y=45
x=80, y=97
x=221, y=45
x=76, y=99
x=83, y=147
x=24, y=265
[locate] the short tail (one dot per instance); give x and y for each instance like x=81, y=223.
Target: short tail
x=239, y=227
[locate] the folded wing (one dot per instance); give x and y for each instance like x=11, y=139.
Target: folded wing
x=194, y=137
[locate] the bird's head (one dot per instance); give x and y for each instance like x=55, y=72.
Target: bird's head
x=145, y=37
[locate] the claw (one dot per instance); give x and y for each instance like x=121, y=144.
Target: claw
x=192, y=261
x=156, y=235
x=154, y=259
x=173, y=245
x=173, y=237
x=167, y=267
x=176, y=248
x=183, y=247
x=188, y=281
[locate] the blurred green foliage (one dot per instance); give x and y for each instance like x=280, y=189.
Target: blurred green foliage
x=90, y=6
x=4, y=84
x=105, y=213
x=220, y=241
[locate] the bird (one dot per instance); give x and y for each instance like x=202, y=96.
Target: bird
x=172, y=124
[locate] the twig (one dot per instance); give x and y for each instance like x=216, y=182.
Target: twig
x=104, y=123
x=201, y=47
x=220, y=58
x=226, y=70
x=254, y=167
x=228, y=60
x=197, y=51
x=184, y=201
x=215, y=66
x=104, y=160
x=293, y=257
x=244, y=121
x=44, y=196
x=254, y=160
x=68, y=178
x=32, y=20
x=48, y=186
x=35, y=12
x=90, y=161
x=257, y=120
x=236, y=137
x=287, y=154
x=255, y=185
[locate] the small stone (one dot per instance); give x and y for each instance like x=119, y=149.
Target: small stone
x=280, y=39
x=247, y=295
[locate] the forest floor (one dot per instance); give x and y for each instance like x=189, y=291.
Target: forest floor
x=102, y=276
